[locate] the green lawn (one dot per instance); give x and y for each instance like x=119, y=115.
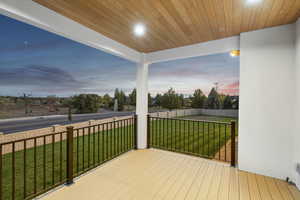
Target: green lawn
x=89, y=151
x=192, y=137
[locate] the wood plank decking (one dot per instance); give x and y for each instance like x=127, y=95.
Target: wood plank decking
x=155, y=174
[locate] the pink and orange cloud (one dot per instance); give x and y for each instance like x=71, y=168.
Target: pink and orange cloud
x=230, y=89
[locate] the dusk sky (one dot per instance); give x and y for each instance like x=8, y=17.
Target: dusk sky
x=40, y=63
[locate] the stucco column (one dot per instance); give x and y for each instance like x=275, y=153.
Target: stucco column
x=142, y=104
x=296, y=134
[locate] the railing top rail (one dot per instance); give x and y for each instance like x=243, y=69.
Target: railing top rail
x=193, y=120
x=32, y=138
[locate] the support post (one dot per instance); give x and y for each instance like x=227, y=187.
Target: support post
x=70, y=130
x=232, y=143
x=142, y=104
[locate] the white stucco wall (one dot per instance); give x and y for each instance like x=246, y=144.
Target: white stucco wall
x=267, y=93
x=296, y=139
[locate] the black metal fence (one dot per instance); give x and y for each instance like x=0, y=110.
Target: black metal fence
x=32, y=166
x=208, y=139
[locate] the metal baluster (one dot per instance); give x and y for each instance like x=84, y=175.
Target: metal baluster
x=199, y=138
x=24, y=169
x=225, y=141
x=214, y=139
x=203, y=133
x=193, y=137
x=99, y=125
x=219, y=125
x=52, y=159
x=44, y=162
x=106, y=141
x=94, y=145
x=35, y=167
x=60, y=156
x=77, y=141
x=127, y=140
x=13, y=171
x=83, y=148
x=232, y=143
x=89, y=147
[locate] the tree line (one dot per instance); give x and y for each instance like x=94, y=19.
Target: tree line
x=88, y=103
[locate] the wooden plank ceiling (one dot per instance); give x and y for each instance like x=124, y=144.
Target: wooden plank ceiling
x=175, y=23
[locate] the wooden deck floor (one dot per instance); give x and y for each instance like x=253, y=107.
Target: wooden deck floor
x=156, y=174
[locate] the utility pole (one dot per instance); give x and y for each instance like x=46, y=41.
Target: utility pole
x=26, y=103
x=216, y=86
x=70, y=113
x=116, y=105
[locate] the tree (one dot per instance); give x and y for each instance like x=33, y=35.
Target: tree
x=221, y=100
x=181, y=101
x=132, y=97
x=235, y=102
x=227, y=104
x=158, y=100
x=86, y=103
x=213, y=99
x=121, y=97
x=171, y=100
x=198, y=99
x=68, y=102
x=150, y=100
x=107, y=101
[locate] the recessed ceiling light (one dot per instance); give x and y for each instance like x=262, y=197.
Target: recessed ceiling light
x=252, y=2
x=139, y=30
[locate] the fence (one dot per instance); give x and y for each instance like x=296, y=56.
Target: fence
x=188, y=112
x=201, y=138
x=32, y=166
x=176, y=113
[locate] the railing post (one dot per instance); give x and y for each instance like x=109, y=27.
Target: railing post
x=135, y=131
x=233, y=143
x=148, y=131
x=70, y=155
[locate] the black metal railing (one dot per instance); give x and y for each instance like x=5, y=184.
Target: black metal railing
x=110, y=140
x=32, y=166
x=208, y=139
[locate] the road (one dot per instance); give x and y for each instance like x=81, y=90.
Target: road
x=18, y=125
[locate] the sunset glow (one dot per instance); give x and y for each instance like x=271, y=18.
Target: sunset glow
x=40, y=63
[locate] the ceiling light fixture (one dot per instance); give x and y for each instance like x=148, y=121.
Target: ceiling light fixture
x=235, y=53
x=139, y=30
x=253, y=2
